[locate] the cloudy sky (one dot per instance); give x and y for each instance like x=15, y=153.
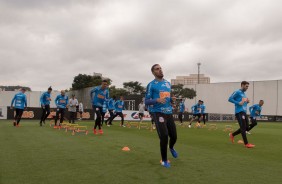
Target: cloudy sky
x=46, y=43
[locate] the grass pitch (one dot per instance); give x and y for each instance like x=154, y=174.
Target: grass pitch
x=37, y=155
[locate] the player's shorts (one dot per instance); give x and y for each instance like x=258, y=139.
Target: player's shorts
x=141, y=114
x=197, y=116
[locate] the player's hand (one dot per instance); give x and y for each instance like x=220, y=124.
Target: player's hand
x=161, y=100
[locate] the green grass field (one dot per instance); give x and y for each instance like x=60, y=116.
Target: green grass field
x=36, y=155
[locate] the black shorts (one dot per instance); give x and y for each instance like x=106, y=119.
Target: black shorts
x=197, y=115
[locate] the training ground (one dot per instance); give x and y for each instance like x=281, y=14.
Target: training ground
x=37, y=155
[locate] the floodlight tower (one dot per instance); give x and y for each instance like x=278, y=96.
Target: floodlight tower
x=199, y=65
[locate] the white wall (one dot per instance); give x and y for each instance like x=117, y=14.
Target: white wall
x=215, y=96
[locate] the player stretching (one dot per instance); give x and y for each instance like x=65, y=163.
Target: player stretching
x=196, y=110
x=181, y=111
x=158, y=94
x=45, y=105
x=20, y=103
x=241, y=101
x=98, y=95
x=61, y=102
x=255, y=111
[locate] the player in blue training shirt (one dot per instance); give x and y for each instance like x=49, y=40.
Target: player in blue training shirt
x=240, y=100
x=98, y=95
x=19, y=102
x=203, y=112
x=45, y=105
x=119, y=106
x=197, y=115
x=158, y=96
x=255, y=111
x=111, y=108
x=181, y=110
x=61, y=102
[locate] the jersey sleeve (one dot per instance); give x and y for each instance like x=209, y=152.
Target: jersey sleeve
x=149, y=96
x=232, y=98
x=13, y=100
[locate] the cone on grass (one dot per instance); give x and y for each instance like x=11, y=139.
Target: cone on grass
x=240, y=142
x=125, y=148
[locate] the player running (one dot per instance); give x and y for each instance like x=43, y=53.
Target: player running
x=196, y=110
x=181, y=110
x=241, y=101
x=255, y=111
x=61, y=102
x=141, y=108
x=119, y=106
x=158, y=94
x=111, y=108
x=98, y=95
x=203, y=112
x=19, y=102
x=45, y=105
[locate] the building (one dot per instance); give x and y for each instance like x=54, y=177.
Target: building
x=190, y=80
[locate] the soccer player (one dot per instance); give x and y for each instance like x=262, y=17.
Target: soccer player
x=104, y=110
x=61, y=102
x=255, y=111
x=141, y=111
x=241, y=101
x=196, y=110
x=45, y=105
x=181, y=110
x=111, y=108
x=73, y=103
x=119, y=106
x=20, y=103
x=158, y=94
x=98, y=95
x=203, y=111
x=80, y=109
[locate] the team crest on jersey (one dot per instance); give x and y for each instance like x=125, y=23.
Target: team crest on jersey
x=243, y=117
x=161, y=119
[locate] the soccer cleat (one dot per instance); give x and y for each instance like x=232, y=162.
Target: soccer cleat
x=17, y=125
x=166, y=164
x=248, y=132
x=123, y=126
x=249, y=145
x=101, y=132
x=189, y=126
x=55, y=127
x=231, y=137
x=174, y=153
x=95, y=132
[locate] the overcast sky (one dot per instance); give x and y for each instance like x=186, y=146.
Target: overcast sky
x=46, y=43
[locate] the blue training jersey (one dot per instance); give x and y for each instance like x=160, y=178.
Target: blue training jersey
x=19, y=101
x=111, y=104
x=62, y=101
x=44, y=99
x=203, y=109
x=255, y=110
x=159, y=89
x=236, y=98
x=196, y=109
x=105, y=106
x=119, y=106
x=98, y=96
x=181, y=107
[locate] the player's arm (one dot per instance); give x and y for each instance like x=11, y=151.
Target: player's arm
x=25, y=102
x=232, y=98
x=13, y=100
x=251, y=108
x=56, y=101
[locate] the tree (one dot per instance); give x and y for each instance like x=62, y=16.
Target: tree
x=14, y=88
x=84, y=81
x=117, y=91
x=178, y=91
x=134, y=87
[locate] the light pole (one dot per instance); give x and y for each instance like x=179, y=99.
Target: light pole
x=199, y=65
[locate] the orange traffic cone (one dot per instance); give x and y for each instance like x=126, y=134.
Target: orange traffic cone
x=125, y=148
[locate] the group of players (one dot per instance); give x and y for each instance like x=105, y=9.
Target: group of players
x=160, y=104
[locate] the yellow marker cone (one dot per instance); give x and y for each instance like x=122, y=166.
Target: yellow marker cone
x=240, y=142
x=125, y=148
